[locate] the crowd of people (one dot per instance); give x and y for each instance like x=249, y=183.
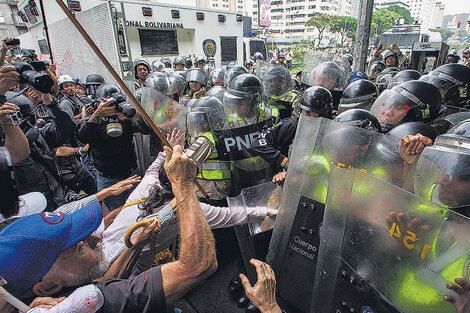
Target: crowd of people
x=74, y=184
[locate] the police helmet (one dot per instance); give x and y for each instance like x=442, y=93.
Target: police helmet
x=444, y=123
x=233, y=72
x=358, y=95
x=94, y=79
x=216, y=77
x=258, y=56
x=178, y=61
x=277, y=81
x=317, y=99
x=196, y=75
x=376, y=67
x=159, y=82
x=140, y=62
x=359, y=118
x=403, y=76
x=327, y=75
x=166, y=61
x=414, y=128
x=244, y=88
x=157, y=66
x=199, y=60
x=410, y=101
x=348, y=58
x=188, y=63
x=250, y=62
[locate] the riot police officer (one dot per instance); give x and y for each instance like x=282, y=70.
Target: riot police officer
x=403, y=76
x=141, y=72
x=213, y=173
x=273, y=144
x=216, y=77
x=330, y=76
x=244, y=97
x=384, y=78
x=200, y=62
x=360, y=118
x=166, y=61
x=196, y=79
x=233, y=72
x=178, y=64
x=375, y=69
x=452, y=80
x=278, y=86
x=407, y=102
x=188, y=63
x=358, y=95
x=157, y=66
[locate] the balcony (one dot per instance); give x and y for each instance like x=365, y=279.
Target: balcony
x=17, y=21
x=12, y=2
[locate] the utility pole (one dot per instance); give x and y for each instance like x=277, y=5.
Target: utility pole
x=362, y=34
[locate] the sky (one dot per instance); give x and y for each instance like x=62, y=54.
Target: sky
x=455, y=7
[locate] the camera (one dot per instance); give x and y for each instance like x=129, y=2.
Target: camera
x=122, y=107
x=40, y=81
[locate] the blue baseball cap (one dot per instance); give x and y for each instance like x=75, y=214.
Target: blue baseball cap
x=356, y=75
x=30, y=246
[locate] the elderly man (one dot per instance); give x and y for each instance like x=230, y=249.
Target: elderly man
x=61, y=251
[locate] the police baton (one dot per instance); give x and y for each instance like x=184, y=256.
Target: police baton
x=119, y=80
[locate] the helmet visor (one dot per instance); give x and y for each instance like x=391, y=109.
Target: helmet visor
x=390, y=108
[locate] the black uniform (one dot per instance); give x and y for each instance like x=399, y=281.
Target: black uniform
x=273, y=144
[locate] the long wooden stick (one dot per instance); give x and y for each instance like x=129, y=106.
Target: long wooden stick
x=119, y=80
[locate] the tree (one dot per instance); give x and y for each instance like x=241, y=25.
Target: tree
x=384, y=19
x=445, y=34
x=345, y=26
x=321, y=22
x=403, y=12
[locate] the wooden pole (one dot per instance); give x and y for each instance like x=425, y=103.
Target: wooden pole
x=119, y=80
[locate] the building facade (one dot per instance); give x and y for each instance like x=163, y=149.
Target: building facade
x=437, y=15
x=228, y=5
x=421, y=11
x=11, y=24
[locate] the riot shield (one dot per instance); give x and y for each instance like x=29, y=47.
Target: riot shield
x=253, y=237
x=234, y=138
x=261, y=68
x=264, y=197
x=313, y=58
x=384, y=249
x=165, y=112
x=294, y=245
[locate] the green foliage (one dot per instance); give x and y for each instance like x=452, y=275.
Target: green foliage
x=345, y=26
x=321, y=22
x=444, y=33
x=384, y=19
x=404, y=13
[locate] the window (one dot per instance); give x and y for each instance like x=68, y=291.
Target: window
x=312, y=7
x=277, y=10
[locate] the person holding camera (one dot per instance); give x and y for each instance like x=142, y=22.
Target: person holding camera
x=109, y=132
x=69, y=103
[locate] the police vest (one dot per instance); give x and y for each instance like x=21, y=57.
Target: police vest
x=415, y=294
x=265, y=112
x=213, y=168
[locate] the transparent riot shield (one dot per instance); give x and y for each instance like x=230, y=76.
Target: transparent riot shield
x=312, y=58
x=384, y=249
x=261, y=68
x=165, y=112
x=253, y=237
x=234, y=138
x=131, y=85
x=318, y=144
x=264, y=198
